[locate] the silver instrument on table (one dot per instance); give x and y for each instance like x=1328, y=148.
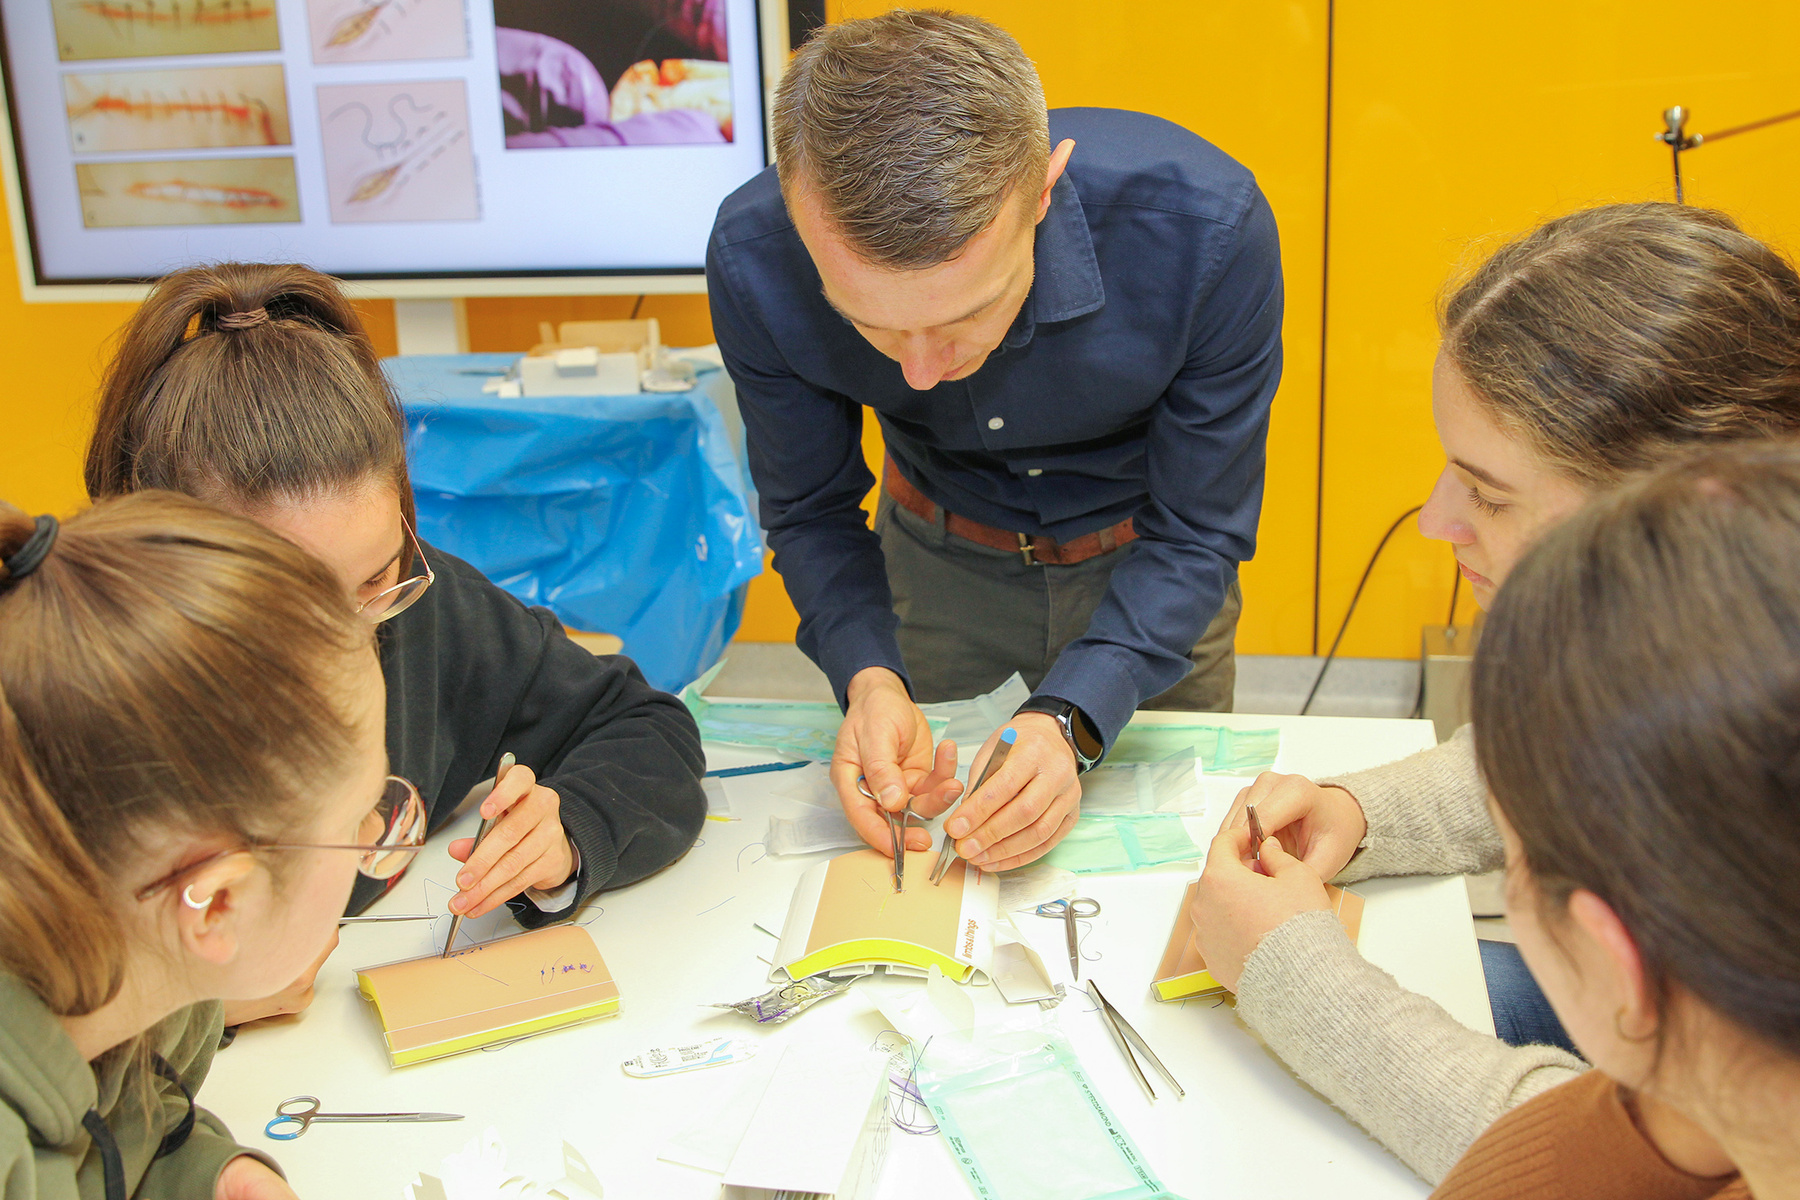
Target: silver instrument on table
x=1131, y=1044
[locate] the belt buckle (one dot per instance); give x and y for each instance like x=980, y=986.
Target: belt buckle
x=1025, y=551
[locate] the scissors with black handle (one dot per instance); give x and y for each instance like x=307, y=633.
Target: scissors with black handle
x=295, y=1115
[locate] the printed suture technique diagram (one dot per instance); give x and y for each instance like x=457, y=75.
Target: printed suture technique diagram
x=177, y=110
x=205, y=191
x=398, y=152
x=141, y=28
x=344, y=31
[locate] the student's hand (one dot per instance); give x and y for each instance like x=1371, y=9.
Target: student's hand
x=1322, y=826
x=246, y=1178
x=1236, y=906
x=525, y=848
x=886, y=740
x=1030, y=803
x=1685, y=1145
x=291, y=999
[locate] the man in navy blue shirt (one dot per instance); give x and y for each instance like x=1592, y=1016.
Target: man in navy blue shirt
x=1071, y=353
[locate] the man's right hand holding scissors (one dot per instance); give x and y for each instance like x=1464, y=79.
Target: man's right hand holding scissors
x=886, y=741
x=1012, y=819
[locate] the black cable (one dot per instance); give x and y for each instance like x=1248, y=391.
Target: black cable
x=634, y=309
x=1418, y=708
x=1373, y=559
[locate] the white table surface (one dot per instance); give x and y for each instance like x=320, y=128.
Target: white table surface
x=683, y=939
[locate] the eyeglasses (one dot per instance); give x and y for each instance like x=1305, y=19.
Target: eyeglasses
x=391, y=602
x=395, y=829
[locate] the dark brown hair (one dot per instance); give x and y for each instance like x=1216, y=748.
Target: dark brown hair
x=166, y=667
x=914, y=129
x=247, y=384
x=1609, y=336
x=1637, y=693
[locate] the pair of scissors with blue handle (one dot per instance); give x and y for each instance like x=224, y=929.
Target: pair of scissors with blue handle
x=295, y=1115
x=1071, y=910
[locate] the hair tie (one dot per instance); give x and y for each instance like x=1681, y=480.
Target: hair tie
x=248, y=319
x=26, y=558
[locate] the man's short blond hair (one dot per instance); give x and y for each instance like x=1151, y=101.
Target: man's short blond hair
x=913, y=129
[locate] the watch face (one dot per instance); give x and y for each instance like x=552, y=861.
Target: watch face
x=1087, y=745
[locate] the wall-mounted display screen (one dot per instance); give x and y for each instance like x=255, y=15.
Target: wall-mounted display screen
x=380, y=139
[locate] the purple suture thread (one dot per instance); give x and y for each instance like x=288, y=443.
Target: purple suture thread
x=754, y=861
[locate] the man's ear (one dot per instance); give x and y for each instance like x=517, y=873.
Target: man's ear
x=1059, y=161
x=1627, y=985
x=210, y=907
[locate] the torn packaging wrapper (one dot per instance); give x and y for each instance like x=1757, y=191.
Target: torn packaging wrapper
x=432, y=1007
x=1183, y=974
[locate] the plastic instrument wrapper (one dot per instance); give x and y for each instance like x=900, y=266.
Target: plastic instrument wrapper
x=1020, y=1114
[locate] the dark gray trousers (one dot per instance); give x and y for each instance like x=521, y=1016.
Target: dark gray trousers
x=971, y=615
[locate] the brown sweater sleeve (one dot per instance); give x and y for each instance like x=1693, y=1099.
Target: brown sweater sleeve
x=1574, y=1142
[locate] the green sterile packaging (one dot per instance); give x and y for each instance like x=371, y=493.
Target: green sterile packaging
x=801, y=729
x=1030, y=1125
x=1222, y=751
x=1122, y=842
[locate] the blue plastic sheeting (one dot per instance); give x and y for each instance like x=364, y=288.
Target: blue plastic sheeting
x=623, y=514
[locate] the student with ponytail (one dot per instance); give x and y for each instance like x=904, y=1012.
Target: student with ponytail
x=1637, y=689
x=191, y=777
x=254, y=387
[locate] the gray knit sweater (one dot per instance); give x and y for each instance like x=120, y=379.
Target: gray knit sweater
x=1400, y=1066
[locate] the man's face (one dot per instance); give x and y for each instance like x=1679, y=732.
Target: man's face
x=937, y=322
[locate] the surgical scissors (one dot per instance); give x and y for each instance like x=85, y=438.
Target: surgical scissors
x=290, y=1122
x=1070, y=910
x=897, y=822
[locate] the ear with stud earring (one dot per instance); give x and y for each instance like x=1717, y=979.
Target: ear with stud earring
x=187, y=898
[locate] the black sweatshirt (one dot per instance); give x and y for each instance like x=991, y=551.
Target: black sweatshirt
x=473, y=673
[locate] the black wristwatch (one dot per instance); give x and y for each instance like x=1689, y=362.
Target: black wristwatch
x=1077, y=730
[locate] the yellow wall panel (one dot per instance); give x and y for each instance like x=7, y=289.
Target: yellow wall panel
x=1249, y=76
x=1457, y=123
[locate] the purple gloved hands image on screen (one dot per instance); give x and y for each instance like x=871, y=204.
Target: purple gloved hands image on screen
x=613, y=73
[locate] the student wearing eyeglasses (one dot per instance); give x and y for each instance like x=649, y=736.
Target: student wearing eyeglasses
x=253, y=386
x=192, y=777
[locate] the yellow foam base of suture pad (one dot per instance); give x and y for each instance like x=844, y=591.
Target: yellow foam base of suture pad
x=878, y=950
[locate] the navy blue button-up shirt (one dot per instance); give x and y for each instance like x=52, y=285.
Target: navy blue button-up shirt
x=1135, y=383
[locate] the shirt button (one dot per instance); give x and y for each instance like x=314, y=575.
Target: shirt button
x=995, y=422
x=1035, y=471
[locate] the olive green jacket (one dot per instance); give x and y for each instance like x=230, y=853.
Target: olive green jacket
x=46, y=1088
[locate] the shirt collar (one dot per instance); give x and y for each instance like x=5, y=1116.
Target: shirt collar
x=1066, y=276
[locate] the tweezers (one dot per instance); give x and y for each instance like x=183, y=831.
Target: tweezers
x=1130, y=1040
x=947, y=855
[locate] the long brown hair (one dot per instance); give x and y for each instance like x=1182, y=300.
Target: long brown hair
x=1637, y=690
x=1612, y=335
x=166, y=667
x=247, y=384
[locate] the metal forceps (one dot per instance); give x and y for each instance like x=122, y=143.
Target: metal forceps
x=1070, y=910
x=290, y=1122
x=1129, y=1041
x=897, y=823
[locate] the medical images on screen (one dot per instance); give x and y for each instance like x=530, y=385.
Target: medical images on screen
x=591, y=73
x=398, y=151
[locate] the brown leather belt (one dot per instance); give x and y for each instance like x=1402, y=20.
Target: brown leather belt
x=1036, y=551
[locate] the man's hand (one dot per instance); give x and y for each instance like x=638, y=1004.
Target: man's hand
x=1029, y=804
x=886, y=741
x=246, y=1178
x=1236, y=906
x=1321, y=826
x=525, y=848
x=291, y=999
